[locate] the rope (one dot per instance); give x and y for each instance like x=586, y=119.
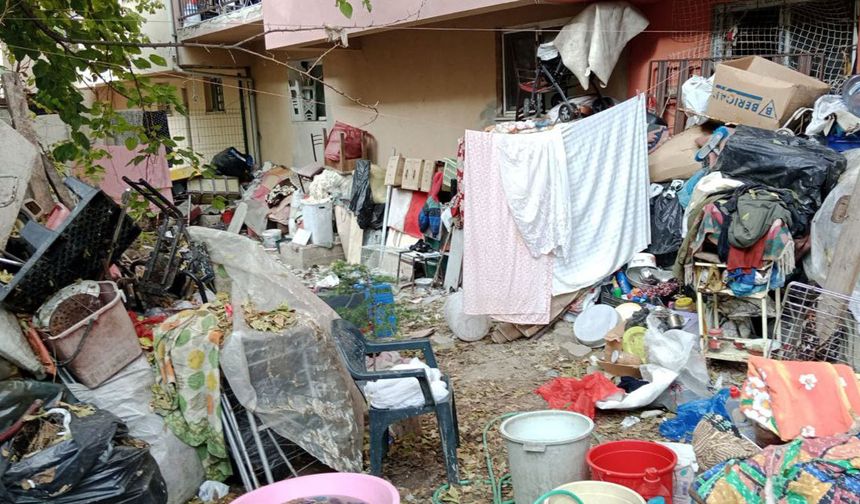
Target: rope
x=498, y=485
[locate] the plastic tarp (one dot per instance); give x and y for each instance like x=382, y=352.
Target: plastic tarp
x=93, y=466
x=678, y=351
x=128, y=395
x=765, y=157
x=16, y=396
x=294, y=381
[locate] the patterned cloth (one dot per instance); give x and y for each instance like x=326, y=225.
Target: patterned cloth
x=500, y=276
x=793, y=399
x=805, y=471
x=716, y=440
x=187, y=391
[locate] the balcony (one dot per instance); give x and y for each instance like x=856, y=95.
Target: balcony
x=218, y=20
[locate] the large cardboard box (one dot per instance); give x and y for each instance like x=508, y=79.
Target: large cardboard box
x=758, y=92
x=676, y=158
x=412, y=174
x=394, y=171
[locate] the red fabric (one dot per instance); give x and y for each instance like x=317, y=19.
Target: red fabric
x=351, y=142
x=573, y=394
x=143, y=328
x=747, y=258
x=410, y=224
x=436, y=186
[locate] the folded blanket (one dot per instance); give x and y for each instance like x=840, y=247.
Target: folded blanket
x=405, y=392
x=794, y=399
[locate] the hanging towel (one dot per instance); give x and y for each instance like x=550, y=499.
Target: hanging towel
x=500, y=277
x=534, y=175
x=607, y=163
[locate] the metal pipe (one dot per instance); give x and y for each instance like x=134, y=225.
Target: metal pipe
x=231, y=417
x=229, y=434
x=281, y=453
x=264, y=459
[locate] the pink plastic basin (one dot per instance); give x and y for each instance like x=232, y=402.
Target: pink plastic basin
x=358, y=486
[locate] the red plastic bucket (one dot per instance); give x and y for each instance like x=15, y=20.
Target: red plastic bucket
x=625, y=463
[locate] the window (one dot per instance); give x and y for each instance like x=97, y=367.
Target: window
x=519, y=54
x=824, y=30
x=214, y=91
x=307, y=95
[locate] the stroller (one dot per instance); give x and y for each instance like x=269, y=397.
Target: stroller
x=549, y=75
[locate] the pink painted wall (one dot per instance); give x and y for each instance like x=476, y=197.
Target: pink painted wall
x=298, y=14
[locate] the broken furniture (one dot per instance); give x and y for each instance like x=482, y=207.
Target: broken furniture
x=309, y=171
x=353, y=350
x=727, y=352
x=93, y=236
x=167, y=259
x=414, y=258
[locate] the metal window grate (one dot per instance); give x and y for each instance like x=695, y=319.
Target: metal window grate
x=817, y=325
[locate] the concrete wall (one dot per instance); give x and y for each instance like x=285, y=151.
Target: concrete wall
x=428, y=86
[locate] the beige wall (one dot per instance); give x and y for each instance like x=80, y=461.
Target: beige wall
x=430, y=86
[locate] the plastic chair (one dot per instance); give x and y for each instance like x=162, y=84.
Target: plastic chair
x=353, y=348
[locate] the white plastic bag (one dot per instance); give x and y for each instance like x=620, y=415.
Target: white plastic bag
x=678, y=351
x=127, y=395
x=659, y=379
x=695, y=93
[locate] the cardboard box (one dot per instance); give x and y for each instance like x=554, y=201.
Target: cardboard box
x=427, y=172
x=412, y=174
x=394, y=171
x=758, y=92
x=676, y=158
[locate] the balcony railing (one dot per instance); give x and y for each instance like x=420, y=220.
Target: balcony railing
x=192, y=12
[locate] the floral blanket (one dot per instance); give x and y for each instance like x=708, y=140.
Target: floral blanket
x=800, y=399
x=187, y=390
x=805, y=471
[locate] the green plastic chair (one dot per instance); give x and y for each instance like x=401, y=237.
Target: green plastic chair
x=353, y=348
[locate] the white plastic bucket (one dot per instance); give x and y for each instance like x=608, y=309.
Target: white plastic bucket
x=546, y=449
x=597, y=492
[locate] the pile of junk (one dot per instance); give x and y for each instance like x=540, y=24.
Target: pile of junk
x=151, y=361
x=677, y=262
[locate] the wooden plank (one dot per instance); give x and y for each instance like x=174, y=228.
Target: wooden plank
x=453, y=272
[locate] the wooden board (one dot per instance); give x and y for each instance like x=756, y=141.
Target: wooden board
x=454, y=271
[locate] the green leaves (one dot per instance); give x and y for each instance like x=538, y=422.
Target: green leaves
x=157, y=60
x=345, y=8
x=131, y=143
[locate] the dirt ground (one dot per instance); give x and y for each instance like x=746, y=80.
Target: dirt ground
x=489, y=380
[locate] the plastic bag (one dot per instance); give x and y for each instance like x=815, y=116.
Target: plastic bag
x=95, y=466
x=352, y=138
x=678, y=351
x=294, y=381
x=666, y=216
x=690, y=414
x=782, y=161
x=659, y=379
x=128, y=395
x=580, y=396
x=361, y=202
x=695, y=93
x=232, y=163
x=824, y=233
x=16, y=396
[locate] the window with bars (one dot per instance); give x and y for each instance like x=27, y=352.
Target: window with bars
x=214, y=93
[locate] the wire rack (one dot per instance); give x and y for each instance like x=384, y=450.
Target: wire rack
x=817, y=325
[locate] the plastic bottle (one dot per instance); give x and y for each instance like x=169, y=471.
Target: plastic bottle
x=623, y=282
x=733, y=406
x=652, y=487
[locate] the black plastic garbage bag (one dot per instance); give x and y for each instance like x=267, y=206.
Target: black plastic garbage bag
x=368, y=214
x=666, y=217
x=232, y=163
x=97, y=464
x=765, y=157
x=17, y=395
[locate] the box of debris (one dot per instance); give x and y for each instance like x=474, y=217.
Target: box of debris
x=676, y=159
x=394, y=171
x=428, y=170
x=757, y=92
